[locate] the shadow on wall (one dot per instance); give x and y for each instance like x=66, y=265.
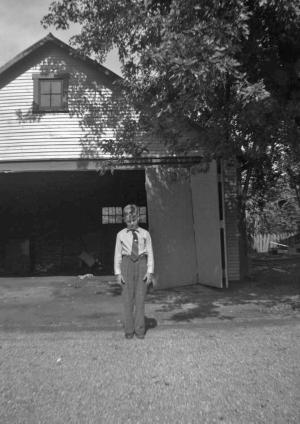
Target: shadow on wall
x=109, y=126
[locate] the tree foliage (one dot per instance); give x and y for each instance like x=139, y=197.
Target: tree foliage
x=276, y=212
x=222, y=76
x=206, y=63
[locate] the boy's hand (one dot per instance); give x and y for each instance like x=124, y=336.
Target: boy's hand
x=120, y=279
x=148, y=278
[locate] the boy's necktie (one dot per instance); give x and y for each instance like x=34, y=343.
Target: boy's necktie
x=135, y=246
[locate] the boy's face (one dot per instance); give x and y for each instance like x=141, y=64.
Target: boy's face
x=131, y=220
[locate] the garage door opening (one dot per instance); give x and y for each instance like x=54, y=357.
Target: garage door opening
x=64, y=223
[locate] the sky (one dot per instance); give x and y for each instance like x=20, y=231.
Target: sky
x=20, y=28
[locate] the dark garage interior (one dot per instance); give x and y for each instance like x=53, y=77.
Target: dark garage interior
x=64, y=223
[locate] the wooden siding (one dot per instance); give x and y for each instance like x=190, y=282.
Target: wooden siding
x=77, y=134
x=231, y=223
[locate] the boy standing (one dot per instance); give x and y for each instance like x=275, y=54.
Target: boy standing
x=134, y=267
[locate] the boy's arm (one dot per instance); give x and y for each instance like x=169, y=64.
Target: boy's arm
x=150, y=258
x=118, y=256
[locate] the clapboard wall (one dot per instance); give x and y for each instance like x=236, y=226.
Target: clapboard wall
x=95, y=111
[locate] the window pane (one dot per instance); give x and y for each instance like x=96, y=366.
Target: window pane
x=56, y=87
x=112, y=215
x=45, y=100
x=56, y=100
x=143, y=219
x=45, y=87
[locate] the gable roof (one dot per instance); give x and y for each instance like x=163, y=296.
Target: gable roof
x=8, y=71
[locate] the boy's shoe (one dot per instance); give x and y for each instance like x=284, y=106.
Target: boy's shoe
x=140, y=336
x=128, y=336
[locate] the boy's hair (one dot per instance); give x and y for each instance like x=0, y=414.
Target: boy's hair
x=131, y=211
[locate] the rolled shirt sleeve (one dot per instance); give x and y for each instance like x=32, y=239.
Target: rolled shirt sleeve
x=149, y=251
x=118, y=255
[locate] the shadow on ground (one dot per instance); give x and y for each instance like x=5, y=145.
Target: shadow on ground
x=274, y=287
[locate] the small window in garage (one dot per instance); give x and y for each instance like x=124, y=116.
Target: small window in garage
x=50, y=93
x=113, y=215
x=143, y=214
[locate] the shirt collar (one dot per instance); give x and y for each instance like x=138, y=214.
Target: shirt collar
x=136, y=229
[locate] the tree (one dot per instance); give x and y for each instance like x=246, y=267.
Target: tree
x=222, y=76
x=276, y=212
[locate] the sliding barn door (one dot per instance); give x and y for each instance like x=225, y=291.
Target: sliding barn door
x=170, y=214
x=208, y=225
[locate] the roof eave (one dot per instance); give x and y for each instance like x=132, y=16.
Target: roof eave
x=50, y=38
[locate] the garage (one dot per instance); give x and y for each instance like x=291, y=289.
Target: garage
x=64, y=222
x=58, y=216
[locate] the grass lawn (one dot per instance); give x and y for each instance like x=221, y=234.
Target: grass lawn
x=230, y=374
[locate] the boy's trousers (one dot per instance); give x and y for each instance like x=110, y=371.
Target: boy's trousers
x=133, y=294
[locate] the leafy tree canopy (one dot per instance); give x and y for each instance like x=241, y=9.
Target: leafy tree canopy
x=276, y=212
x=220, y=73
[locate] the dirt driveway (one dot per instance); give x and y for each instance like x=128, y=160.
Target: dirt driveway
x=71, y=303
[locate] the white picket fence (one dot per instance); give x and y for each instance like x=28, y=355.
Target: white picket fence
x=261, y=243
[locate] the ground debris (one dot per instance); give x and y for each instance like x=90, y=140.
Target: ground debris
x=280, y=270
x=85, y=276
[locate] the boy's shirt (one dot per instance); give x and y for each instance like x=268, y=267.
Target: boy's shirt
x=124, y=247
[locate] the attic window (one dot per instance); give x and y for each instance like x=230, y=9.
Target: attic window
x=50, y=93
